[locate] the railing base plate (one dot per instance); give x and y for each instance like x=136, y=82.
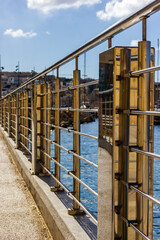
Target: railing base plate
x=54, y=189
x=75, y=212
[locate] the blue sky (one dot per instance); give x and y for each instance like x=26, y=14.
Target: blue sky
x=37, y=33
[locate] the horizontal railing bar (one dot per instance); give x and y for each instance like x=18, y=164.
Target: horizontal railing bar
x=70, y=194
x=25, y=147
x=138, y=231
x=25, y=108
x=145, y=195
x=21, y=99
x=71, y=131
x=13, y=121
x=150, y=113
x=106, y=102
x=26, y=127
x=71, y=152
x=26, y=118
x=25, y=137
x=13, y=128
x=13, y=135
x=106, y=91
x=146, y=70
x=149, y=154
x=71, y=174
x=77, y=86
x=109, y=32
x=13, y=114
x=72, y=109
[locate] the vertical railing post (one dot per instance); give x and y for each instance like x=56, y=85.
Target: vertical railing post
x=46, y=135
x=109, y=42
x=9, y=116
x=2, y=113
x=123, y=168
x=17, y=120
x=144, y=53
x=34, y=128
x=26, y=117
x=76, y=141
x=57, y=132
x=48, y=117
x=4, y=123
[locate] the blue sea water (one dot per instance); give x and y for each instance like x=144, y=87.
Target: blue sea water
x=156, y=184
x=89, y=174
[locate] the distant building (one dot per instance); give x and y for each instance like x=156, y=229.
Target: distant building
x=11, y=80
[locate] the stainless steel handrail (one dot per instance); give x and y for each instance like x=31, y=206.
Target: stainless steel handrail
x=149, y=154
x=145, y=195
x=146, y=70
x=109, y=32
x=106, y=91
x=71, y=131
x=149, y=113
x=139, y=232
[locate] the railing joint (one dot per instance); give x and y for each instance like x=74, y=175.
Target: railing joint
x=74, y=212
x=119, y=111
x=118, y=143
x=118, y=77
x=133, y=184
x=134, y=222
x=56, y=189
x=71, y=172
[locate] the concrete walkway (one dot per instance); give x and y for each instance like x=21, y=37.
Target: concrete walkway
x=20, y=218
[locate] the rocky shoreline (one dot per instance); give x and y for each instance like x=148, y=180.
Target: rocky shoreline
x=66, y=118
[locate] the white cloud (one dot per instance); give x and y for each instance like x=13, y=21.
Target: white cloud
x=19, y=33
x=118, y=9
x=134, y=43
x=47, y=6
x=48, y=33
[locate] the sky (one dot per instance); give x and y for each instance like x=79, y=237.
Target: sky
x=38, y=33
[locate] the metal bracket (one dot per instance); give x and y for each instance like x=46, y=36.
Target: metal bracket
x=117, y=209
x=133, y=184
x=118, y=78
x=71, y=172
x=118, y=176
x=118, y=110
x=118, y=143
x=134, y=222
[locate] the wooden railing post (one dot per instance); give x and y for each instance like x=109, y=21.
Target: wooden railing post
x=9, y=116
x=45, y=119
x=2, y=113
x=123, y=168
x=57, y=132
x=144, y=54
x=76, y=142
x=17, y=120
x=34, y=128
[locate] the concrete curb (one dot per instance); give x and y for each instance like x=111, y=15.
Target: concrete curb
x=60, y=224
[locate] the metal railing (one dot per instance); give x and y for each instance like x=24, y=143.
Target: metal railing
x=31, y=111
